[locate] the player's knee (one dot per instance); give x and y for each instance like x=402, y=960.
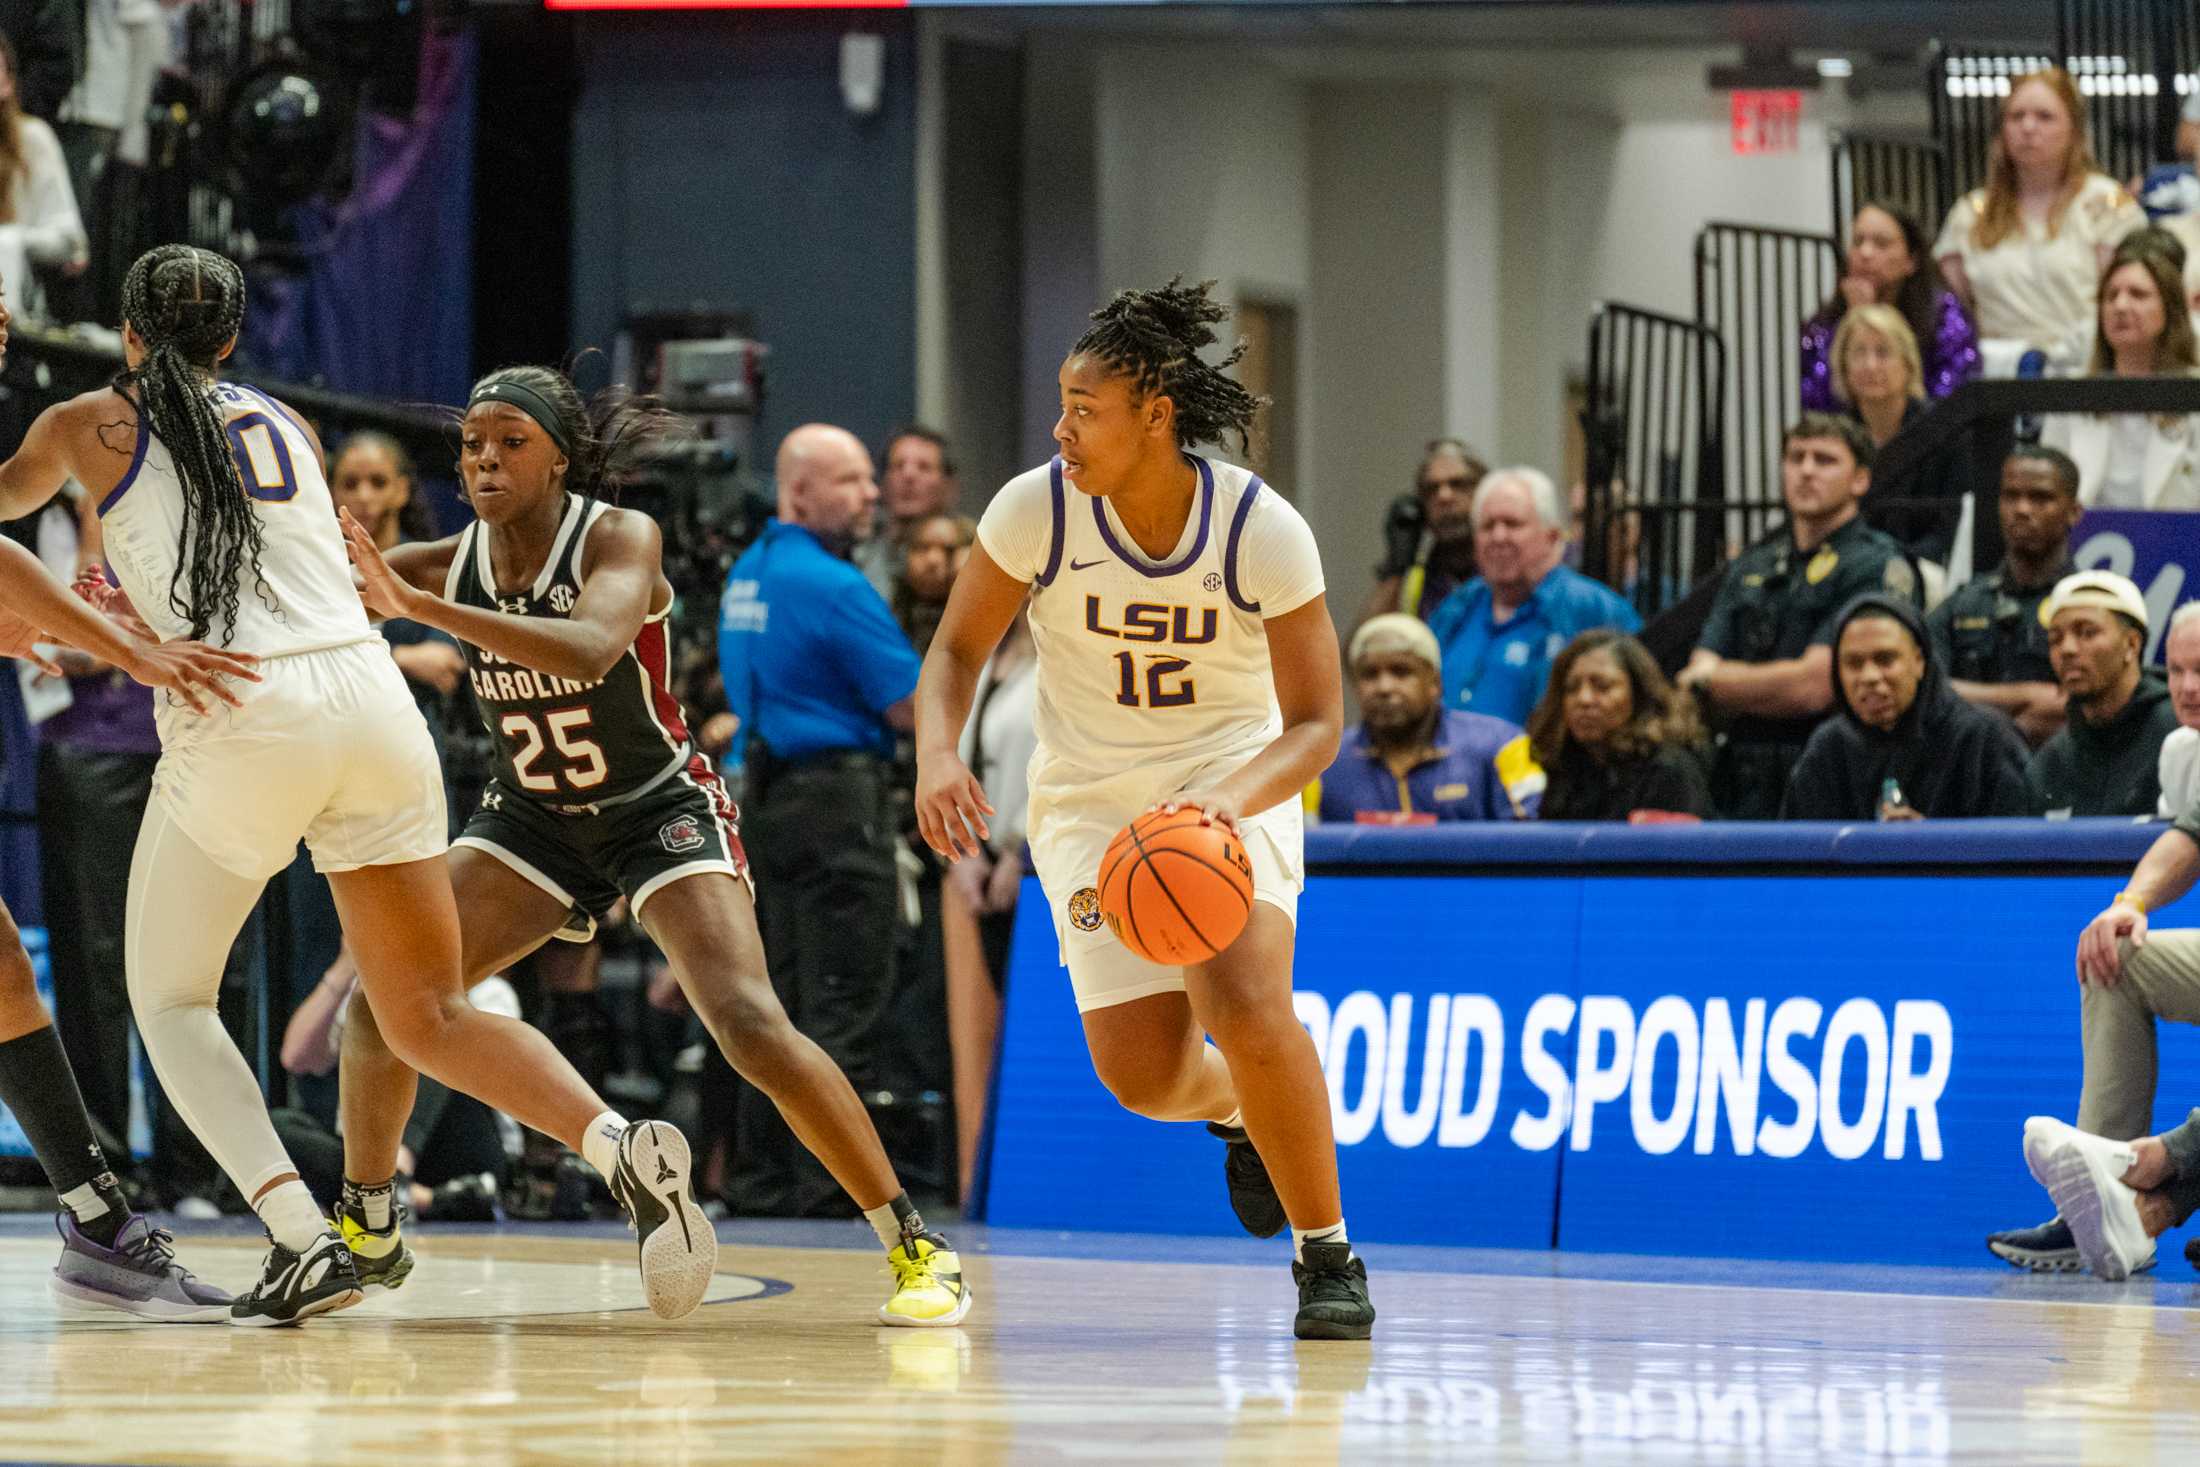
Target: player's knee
x=746, y=1020
x=1141, y=1084
x=421, y=1027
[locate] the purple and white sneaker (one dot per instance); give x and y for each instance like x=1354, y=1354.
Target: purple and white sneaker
x=139, y=1276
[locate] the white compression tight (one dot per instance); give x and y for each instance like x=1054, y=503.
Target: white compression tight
x=184, y=913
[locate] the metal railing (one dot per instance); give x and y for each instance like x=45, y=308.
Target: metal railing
x=2127, y=56
x=1755, y=287
x=1880, y=168
x=1654, y=507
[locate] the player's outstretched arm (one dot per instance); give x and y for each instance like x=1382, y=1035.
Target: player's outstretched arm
x=951, y=806
x=31, y=601
x=624, y=559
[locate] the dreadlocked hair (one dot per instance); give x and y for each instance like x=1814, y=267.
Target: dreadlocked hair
x=1154, y=337
x=186, y=305
x=609, y=432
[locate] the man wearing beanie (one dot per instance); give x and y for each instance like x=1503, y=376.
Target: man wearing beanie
x=2106, y=760
x=1410, y=761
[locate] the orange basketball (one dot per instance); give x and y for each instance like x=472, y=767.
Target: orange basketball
x=1174, y=890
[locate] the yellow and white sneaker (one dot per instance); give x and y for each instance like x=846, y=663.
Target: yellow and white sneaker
x=381, y=1257
x=929, y=1292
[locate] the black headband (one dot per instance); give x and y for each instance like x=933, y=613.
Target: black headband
x=530, y=402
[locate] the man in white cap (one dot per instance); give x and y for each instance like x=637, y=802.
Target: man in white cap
x=2106, y=759
x=1411, y=761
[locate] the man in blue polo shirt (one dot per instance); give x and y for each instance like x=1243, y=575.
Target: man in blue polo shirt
x=1410, y=761
x=1500, y=631
x=820, y=678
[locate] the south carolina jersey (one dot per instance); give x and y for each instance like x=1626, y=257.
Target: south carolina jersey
x=1151, y=666
x=560, y=741
x=302, y=599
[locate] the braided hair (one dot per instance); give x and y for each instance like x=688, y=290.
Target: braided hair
x=186, y=305
x=1154, y=337
x=607, y=432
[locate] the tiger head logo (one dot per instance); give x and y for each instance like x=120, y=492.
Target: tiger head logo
x=1084, y=909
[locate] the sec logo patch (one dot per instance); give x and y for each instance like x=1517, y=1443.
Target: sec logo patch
x=1084, y=909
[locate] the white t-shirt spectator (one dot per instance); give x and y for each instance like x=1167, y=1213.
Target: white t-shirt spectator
x=2035, y=286
x=1001, y=724
x=46, y=228
x=2180, y=772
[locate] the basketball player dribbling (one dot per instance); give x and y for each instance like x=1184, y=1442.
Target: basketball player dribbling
x=1186, y=660
x=560, y=603
x=218, y=521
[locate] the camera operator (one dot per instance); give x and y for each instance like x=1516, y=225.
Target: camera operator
x=1428, y=535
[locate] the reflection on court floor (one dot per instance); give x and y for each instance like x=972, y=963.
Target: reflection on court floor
x=530, y=1346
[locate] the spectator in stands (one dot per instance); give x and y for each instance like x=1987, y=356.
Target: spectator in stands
x=1901, y=745
x=1890, y=265
x=2179, y=768
x=919, y=483
x=2026, y=252
x=1764, y=661
x=47, y=37
x=1410, y=760
x=2107, y=759
x=932, y=556
x=1500, y=630
x=1614, y=738
x=820, y=679
x=1877, y=373
x=980, y=917
x=2136, y=460
x=1988, y=634
x=39, y=223
x=1428, y=536
x=2129, y=975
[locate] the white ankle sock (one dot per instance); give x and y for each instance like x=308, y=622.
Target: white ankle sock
x=291, y=1217
x=1300, y=1237
x=600, y=1142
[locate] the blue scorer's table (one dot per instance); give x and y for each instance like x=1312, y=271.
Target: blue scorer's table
x=1773, y=1041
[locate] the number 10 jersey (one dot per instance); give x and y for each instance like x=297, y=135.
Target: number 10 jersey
x=560, y=742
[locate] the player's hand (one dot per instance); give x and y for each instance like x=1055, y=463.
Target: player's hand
x=191, y=670
x=2100, y=960
x=951, y=807
x=380, y=588
x=1214, y=807
x=968, y=881
x=18, y=638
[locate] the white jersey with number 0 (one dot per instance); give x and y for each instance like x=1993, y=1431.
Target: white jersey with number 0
x=1153, y=668
x=302, y=599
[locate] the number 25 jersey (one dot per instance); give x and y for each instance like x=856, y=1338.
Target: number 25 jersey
x=559, y=741
x=1159, y=668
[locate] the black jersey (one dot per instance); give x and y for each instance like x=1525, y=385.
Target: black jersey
x=562, y=742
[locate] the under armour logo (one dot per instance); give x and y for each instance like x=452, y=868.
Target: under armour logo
x=491, y=800
x=512, y=605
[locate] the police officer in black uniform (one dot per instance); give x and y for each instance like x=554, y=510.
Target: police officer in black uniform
x=1988, y=633
x=1764, y=663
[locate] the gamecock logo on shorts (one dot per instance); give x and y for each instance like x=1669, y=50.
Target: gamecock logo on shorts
x=1084, y=909
x=682, y=835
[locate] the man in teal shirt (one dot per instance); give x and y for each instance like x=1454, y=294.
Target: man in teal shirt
x=1501, y=630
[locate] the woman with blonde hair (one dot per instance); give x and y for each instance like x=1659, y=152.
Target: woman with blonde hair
x=2136, y=460
x=2026, y=252
x=39, y=222
x=1879, y=374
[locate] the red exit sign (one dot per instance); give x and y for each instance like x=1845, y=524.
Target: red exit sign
x=1767, y=122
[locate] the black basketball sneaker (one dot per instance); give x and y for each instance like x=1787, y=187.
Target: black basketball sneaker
x=297, y=1286
x=1333, y=1302
x=1252, y=1195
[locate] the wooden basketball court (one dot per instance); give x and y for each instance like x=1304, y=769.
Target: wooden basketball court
x=527, y=1345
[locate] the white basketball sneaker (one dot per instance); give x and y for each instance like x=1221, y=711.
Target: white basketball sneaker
x=2084, y=1174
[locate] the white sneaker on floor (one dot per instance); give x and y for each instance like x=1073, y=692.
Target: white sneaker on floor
x=2084, y=1174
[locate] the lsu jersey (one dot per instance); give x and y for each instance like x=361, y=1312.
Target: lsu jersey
x=1158, y=666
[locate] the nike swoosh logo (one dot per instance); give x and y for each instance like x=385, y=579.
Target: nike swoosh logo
x=1078, y=565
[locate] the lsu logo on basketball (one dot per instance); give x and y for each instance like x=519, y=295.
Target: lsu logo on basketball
x=1084, y=909
x=682, y=834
